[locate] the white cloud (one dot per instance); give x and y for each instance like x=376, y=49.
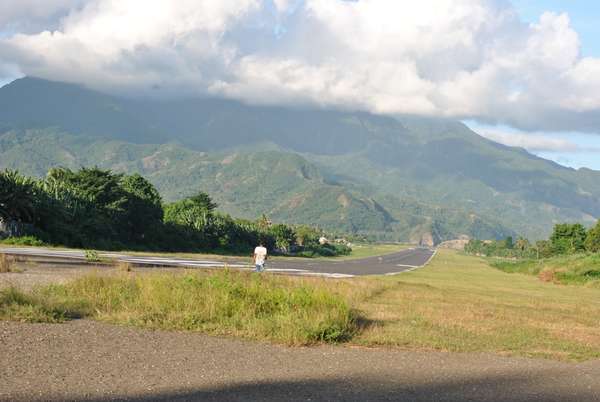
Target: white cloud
x=457, y=58
x=533, y=142
x=31, y=15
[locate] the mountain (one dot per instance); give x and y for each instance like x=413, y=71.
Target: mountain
x=406, y=178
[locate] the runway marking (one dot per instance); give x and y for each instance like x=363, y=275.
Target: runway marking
x=149, y=261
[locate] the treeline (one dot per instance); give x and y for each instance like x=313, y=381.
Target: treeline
x=565, y=239
x=99, y=209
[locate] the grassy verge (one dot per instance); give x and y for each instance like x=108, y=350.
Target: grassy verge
x=225, y=303
x=460, y=304
x=568, y=270
x=457, y=303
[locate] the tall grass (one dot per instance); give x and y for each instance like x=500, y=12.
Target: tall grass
x=6, y=264
x=19, y=306
x=225, y=303
x=578, y=269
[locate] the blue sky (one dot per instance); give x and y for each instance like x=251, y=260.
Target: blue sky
x=585, y=19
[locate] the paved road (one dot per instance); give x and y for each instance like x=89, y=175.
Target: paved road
x=390, y=264
x=90, y=361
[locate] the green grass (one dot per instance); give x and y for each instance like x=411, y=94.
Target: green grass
x=460, y=304
x=457, y=303
x=23, y=241
x=371, y=250
x=579, y=269
x=16, y=305
x=224, y=303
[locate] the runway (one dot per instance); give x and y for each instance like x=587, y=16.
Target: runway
x=390, y=264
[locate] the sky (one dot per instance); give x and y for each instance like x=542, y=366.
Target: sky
x=567, y=148
x=525, y=73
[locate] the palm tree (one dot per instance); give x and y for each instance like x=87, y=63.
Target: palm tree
x=17, y=197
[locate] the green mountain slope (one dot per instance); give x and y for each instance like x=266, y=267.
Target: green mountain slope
x=246, y=183
x=398, y=178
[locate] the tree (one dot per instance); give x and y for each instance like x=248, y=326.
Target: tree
x=100, y=208
x=264, y=222
x=17, y=197
x=568, y=238
x=284, y=236
x=203, y=200
x=592, y=241
x=306, y=236
x=143, y=209
x=101, y=187
x=195, y=213
x=522, y=244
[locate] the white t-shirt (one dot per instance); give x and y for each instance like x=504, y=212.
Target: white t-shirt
x=260, y=255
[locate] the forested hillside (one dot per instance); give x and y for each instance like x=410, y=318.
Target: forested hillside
x=405, y=179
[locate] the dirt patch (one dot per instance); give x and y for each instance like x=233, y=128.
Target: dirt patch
x=28, y=275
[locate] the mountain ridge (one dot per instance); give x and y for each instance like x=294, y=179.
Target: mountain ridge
x=378, y=163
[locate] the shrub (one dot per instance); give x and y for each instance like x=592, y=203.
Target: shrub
x=92, y=256
x=592, y=241
x=23, y=241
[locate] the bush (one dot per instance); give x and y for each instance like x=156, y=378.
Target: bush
x=592, y=241
x=23, y=241
x=324, y=250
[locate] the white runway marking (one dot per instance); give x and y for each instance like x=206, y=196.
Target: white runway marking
x=150, y=261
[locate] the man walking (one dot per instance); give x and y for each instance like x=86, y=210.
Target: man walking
x=260, y=256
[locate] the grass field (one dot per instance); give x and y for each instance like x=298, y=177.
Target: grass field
x=578, y=269
x=457, y=303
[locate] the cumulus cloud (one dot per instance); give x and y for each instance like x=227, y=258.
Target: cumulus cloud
x=457, y=58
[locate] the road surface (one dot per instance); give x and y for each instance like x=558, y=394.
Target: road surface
x=90, y=361
x=389, y=264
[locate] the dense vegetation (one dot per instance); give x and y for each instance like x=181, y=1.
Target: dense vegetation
x=570, y=256
x=566, y=239
x=574, y=269
x=95, y=208
x=225, y=303
x=404, y=178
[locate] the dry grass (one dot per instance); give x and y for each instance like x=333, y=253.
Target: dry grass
x=460, y=304
x=124, y=266
x=6, y=264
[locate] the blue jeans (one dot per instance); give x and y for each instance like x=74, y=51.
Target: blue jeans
x=260, y=267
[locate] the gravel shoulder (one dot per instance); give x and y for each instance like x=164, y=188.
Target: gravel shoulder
x=92, y=361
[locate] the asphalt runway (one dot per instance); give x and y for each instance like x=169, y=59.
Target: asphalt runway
x=390, y=264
